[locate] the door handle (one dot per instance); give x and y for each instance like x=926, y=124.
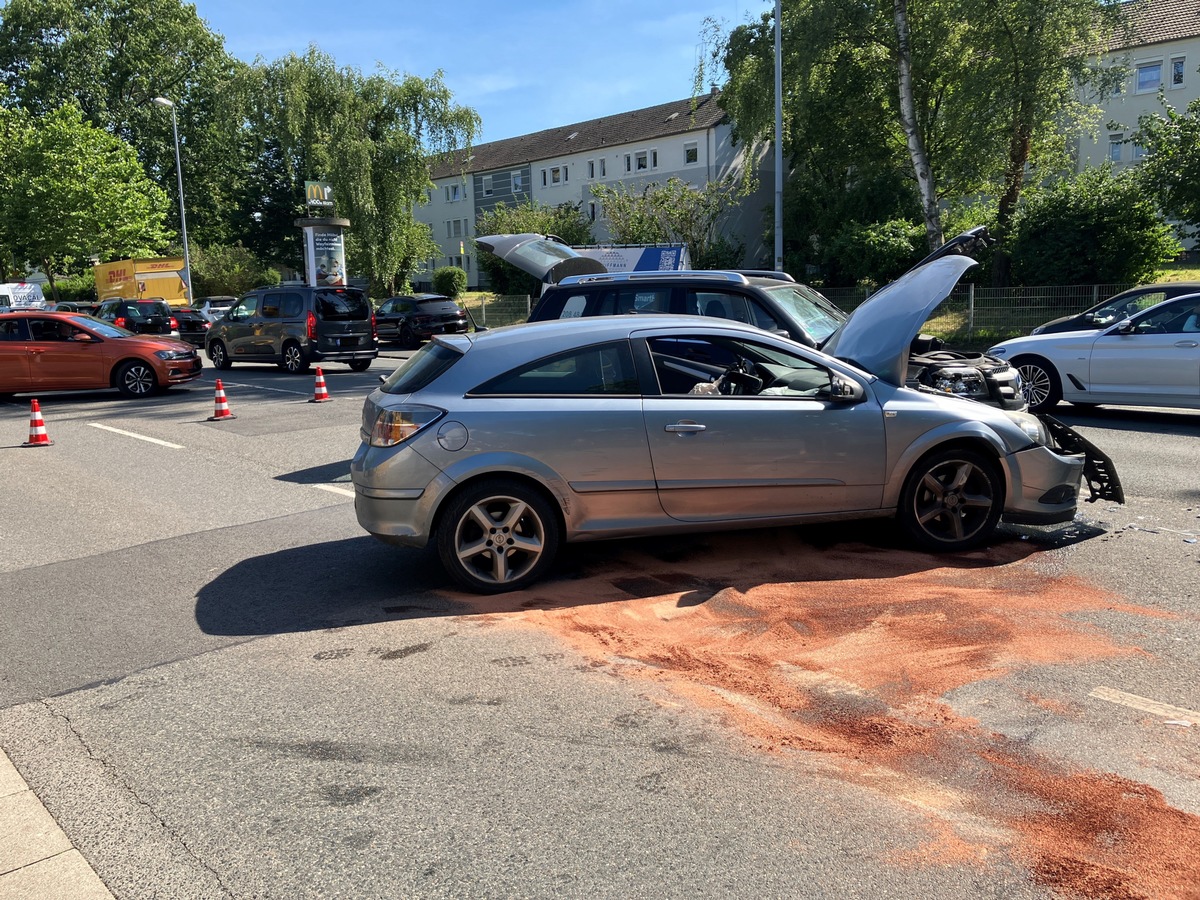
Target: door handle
x=1186, y=344
x=685, y=427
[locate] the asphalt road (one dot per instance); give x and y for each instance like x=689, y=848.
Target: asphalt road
x=221, y=687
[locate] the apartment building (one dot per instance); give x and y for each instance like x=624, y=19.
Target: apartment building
x=687, y=139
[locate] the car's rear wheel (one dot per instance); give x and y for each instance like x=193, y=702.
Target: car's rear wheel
x=498, y=535
x=136, y=379
x=1039, y=383
x=219, y=355
x=360, y=365
x=408, y=337
x=294, y=360
x=952, y=500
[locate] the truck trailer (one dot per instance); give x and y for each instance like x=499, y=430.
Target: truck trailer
x=142, y=279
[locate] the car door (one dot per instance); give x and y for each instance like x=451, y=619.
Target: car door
x=238, y=328
x=14, y=355
x=59, y=362
x=781, y=450
x=1157, y=360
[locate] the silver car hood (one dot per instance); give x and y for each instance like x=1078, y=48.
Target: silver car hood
x=544, y=258
x=877, y=336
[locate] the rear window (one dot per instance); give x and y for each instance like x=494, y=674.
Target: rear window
x=420, y=369
x=149, y=308
x=342, y=304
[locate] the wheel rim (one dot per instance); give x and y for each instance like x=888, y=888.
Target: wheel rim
x=499, y=540
x=1035, y=384
x=954, y=501
x=291, y=358
x=139, y=380
x=218, y=355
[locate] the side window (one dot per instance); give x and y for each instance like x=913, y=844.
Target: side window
x=763, y=319
x=292, y=306
x=387, y=307
x=600, y=369
x=1172, y=318
x=13, y=330
x=633, y=299
x=247, y=307
x=43, y=330
x=718, y=305
x=573, y=308
x=704, y=366
x=270, y=305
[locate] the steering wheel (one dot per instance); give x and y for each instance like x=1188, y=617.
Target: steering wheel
x=739, y=379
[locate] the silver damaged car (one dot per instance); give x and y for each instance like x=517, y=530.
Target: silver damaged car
x=500, y=446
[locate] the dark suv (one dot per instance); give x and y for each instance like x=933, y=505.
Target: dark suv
x=140, y=316
x=773, y=301
x=295, y=326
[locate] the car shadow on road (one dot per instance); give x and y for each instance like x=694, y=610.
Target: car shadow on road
x=1145, y=421
x=363, y=581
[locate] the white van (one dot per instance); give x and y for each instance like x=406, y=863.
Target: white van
x=22, y=295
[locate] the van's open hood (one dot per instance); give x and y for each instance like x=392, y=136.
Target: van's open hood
x=877, y=336
x=540, y=255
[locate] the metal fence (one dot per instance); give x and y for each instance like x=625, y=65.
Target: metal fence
x=496, y=310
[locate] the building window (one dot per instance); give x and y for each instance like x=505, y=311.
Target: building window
x=691, y=154
x=1114, y=147
x=556, y=175
x=1148, y=78
x=453, y=193
x=566, y=174
x=628, y=163
x=1139, y=152
x=457, y=228
x=641, y=160
x=591, y=164
x=487, y=185
x=517, y=185
x=447, y=228
x=654, y=159
x=591, y=212
x=1178, y=64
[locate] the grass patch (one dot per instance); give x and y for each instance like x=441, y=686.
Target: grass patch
x=1179, y=271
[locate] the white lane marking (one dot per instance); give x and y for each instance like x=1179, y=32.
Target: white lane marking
x=1145, y=704
x=140, y=437
x=257, y=387
x=334, y=489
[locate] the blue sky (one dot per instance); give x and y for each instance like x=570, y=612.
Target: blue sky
x=523, y=67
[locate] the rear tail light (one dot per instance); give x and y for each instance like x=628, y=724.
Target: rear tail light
x=374, y=332
x=174, y=324
x=312, y=325
x=422, y=320
x=119, y=321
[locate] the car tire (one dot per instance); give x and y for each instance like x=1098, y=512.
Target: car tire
x=136, y=379
x=294, y=361
x=952, y=500
x=408, y=338
x=219, y=356
x=497, y=513
x=1039, y=383
x=360, y=365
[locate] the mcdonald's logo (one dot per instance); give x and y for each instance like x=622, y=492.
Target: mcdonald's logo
x=318, y=193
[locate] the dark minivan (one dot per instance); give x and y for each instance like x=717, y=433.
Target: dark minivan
x=294, y=326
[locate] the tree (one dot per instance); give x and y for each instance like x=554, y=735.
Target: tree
x=1095, y=228
x=1171, y=168
x=70, y=191
x=373, y=138
x=565, y=221
x=676, y=213
x=221, y=269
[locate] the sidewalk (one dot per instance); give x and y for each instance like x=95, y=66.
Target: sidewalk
x=36, y=859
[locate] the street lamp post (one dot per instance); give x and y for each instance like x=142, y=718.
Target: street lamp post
x=187, y=260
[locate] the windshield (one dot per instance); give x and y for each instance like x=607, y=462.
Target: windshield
x=100, y=327
x=818, y=316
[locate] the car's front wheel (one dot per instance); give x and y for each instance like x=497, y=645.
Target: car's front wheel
x=952, y=500
x=219, y=355
x=1039, y=383
x=408, y=337
x=497, y=535
x=136, y=379
x=294, y=360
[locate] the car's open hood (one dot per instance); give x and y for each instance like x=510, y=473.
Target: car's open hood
x=540, y=256
x=877, y=336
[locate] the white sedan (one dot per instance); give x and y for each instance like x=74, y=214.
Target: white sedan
x=1150, y=359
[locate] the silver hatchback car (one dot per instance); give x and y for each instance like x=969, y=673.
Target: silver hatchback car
x=499, y=446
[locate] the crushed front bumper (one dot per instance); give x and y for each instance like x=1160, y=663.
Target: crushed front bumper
x=1098, y=469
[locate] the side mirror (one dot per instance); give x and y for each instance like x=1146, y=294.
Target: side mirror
x=842, y=390
x=82, y=337
x=1125, y=327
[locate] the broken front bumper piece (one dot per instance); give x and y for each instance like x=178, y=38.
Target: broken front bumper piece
x=1098, y=469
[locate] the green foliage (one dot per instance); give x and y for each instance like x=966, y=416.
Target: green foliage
x=566, y=221
x=874, y=254
x=77, y=288
x=674, y=213
x=69, y=191
x=222, y=269
x=1171, y=170
x=1094, y=228
x=450, y=281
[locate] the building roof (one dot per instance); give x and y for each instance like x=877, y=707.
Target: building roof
x=639, y=125
x=1158, y=21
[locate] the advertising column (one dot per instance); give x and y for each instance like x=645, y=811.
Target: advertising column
x=324, y=243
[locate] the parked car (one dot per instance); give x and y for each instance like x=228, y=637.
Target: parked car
x=152, y=316
x=499, y=446
x=1149, y=359
x=52, y=351
x=212, y=308
x=294, y=326
x=1119, y=306
x=77, y=306
x=193, y=327
x=770, y=300
x=410, y=320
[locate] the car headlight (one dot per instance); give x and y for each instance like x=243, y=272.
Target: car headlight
x=960, y=382
x=396, y=425
x=997, y=351
x=173, y=354
x=1033, y=427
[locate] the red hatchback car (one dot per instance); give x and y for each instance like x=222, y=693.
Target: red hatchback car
x=50, y=351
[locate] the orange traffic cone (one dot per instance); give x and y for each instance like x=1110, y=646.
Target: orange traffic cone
x=222, y=411
x=37, y=428
x=320, y=394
